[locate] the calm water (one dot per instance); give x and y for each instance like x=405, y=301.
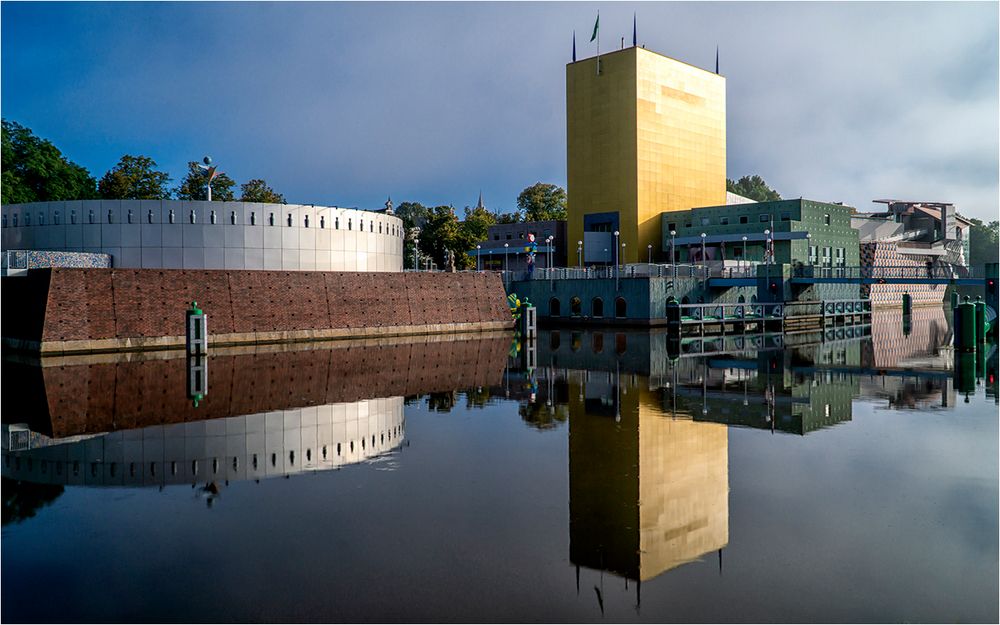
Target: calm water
x=851, y=480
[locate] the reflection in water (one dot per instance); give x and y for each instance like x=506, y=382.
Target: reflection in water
x=109, y=421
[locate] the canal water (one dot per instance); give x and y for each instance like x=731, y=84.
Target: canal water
x=592, y=476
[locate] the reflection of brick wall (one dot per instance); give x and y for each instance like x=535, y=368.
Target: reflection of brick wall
x=90, y=398
x=889, y=345
x=93, y=304
x=885, y=254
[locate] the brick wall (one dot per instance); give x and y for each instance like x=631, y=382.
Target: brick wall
x=69, y=400
x=95, y=304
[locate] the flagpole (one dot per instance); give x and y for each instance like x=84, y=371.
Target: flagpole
x=598, y=43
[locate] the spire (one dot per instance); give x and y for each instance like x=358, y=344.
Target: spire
x=716, y=59
x=633, y=31
x=574, y=46
x=480, y=204
x=388, y=206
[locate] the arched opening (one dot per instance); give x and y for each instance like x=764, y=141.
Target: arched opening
x=740, y=299
x=598, y=342
x=554, y=340
x=554, y=307
x=575, y=306
x=597, y=307
x=621, y=344
x=620, y=308
x=685, y=300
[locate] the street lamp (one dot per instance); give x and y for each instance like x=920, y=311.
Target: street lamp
x=478, y=254
x=745, y=264
x=649, y=254
x=704, y=259
x=673, y=254
x=579, y=253
x=416, y=262
x=768, y=252
x=616, y=259
x=505, y=246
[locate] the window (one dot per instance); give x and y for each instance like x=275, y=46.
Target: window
x=336, y=223
x=41, y=219
x=232, y=217
x=786, y=216
x=723, y=221
x=738, y=252
x=349, y=223
x=27, y=219
x=212, y=217
x=764, y=218
x=371, y=228
x=380, y=227
x=322, y=222
x=620, y=308
x=671, y=228
x=55, y=218
x=554, y=340
x=289, y=220
x=574, y=306
x=744, y=219
x=72, y=217
x=496, y=237
x=253, y=218
x=149, y=216
x=621, y=343
x=508, y=236
x=171, y=216
x=687, y=224
x=270, y=219
x=812, y=254
x=705, y=221
x=306, y=221
x=5, y=221
x=520, y=235
x=361, y=225
x=826, y=218
x=194, y=217
x=598, y=342
x=597, y=307
x=554, y=307
x=111, y=217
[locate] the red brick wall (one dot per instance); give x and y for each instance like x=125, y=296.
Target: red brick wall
x=88, y=304
x=92, y=398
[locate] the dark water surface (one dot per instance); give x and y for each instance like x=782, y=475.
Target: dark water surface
x=849, y=480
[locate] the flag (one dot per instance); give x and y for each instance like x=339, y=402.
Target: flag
x=574, y=46
x=633, y=31
x=596, y=25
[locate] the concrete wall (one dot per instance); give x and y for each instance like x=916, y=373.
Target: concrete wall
x=142, y=234
x=101, y=309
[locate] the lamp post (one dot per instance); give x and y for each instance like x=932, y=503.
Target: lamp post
x=673, y=254
x=767, y=253
x=416, y=261
x=505, y=246
x=704, y=259
x=478, y=255
x=745, y=264
x=649, y=254
x=579, y=254
x=616, y=259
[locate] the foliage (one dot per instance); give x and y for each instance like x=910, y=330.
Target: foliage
x=542, y=202
x=257, y=190
x=752, y=187
x=414, y=215
x=540, y=416
x=984, y=239
x=193, y=187
x=21, y=500
x=508, y=218
x=441, y=233
x=134, y=178
x=34, y=170
x=471, y=231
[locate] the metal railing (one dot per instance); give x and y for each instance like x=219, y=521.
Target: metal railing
x=933, y=272
x=715, y=312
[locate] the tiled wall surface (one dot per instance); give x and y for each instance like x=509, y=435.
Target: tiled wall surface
x=886, y=254
x=176, y=234
x=91, y=304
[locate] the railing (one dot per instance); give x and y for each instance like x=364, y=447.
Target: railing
x=636, y=270
x=715, y=312
x=933, y=272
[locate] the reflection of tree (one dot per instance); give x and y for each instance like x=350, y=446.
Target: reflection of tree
x=442, y=402
x=477, y=398
x=22, y=499
x=542, y=417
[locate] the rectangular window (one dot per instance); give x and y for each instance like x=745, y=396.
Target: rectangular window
x=705, y=221
x=496, y=237
x=738, y=252
x=508, y=236
x=723, y=221
x=786, y=216
x=671, y=227
x=812, y=254
x=744, y=219
x=826, y=218
x=764, y=218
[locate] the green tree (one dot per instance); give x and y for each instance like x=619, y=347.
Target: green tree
x=473, y=230
x=257, y=190
x=542, y=201
x=134, y=178
x=34, y=170
x=441, y=234
x=193, y=186
x=752, y=187
x=984, y=242
x=414, y=215
x=508, y=218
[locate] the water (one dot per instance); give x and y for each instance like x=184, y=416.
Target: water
x=845, y=480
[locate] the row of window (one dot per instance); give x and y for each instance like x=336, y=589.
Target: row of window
x=521, y=235
x=744, y=219
x=597, y=342
x=839, y=256
x=596, y=307
x=391, y=434
x=390, y=229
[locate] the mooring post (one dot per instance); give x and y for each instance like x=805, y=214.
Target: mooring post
x=197, y=331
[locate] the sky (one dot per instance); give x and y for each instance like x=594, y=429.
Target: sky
x=347, y=103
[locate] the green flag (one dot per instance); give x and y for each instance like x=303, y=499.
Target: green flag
x=596, y=24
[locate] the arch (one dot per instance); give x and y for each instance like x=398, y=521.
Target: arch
x=575, y=306
x=753, y=299
x=554, y=307
x=554, y=340
x=597, y=307
x=685, y=300
x=740, y=299
x=597, y=342
x=621, y=343
x=621, y=308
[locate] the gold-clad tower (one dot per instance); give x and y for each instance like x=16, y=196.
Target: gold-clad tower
x=646, y=134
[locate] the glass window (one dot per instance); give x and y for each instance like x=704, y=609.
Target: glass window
x=306, y=221
x=723, y=221
x=764, y=218
x=508, y=236
x=671, y=227
x=212, y=217
x=253, y=218
x=55, y=218
x=171, y=216
x=826, y=218
x=705, y=221
x=744, y=219
x=496, y=237
x=786, y=216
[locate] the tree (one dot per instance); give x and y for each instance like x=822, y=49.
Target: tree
x=508, y=218
x=752, y=187
x=414, y=215
x=440, y=235
x=984, y=242
x=472, y=230
x=193, y=187
x=542, y=201
x=134, y=178
x=257, y=190
x=34, y=170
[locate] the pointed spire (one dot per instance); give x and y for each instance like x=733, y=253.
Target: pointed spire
x=574, y=46
x=480, y=204
x=634, y=39
x=716, y=59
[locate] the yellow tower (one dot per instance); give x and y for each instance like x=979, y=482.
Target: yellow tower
x=646, y=134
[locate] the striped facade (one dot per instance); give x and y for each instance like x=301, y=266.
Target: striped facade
x=886, y=254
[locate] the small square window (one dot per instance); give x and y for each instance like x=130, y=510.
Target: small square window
x=671, y=227
x=764, y=218
x=706, y=221
x=744, y=219
x=786, y=216
x=826, y=219
x=723, y=221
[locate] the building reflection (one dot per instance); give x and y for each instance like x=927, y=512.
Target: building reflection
x=271, y=412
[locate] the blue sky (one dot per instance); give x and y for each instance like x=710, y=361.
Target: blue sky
x=344, y=103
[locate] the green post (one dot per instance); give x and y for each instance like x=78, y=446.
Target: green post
x=954, y=300
x=980, y=320
x=907, y=304
x=965, y=331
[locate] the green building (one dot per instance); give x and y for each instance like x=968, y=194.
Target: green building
x=801, y=231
